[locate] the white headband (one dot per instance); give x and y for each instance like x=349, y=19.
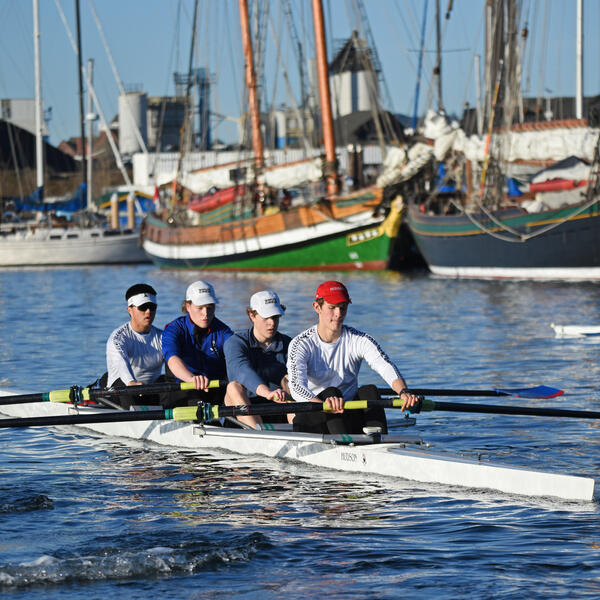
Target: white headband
x=142, y=298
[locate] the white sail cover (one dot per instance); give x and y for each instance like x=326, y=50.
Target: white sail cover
x=287, y=176
x=401, y=164
x=200, y=182
x=554, y=143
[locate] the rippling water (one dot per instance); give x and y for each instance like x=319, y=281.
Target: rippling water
x=83, y=516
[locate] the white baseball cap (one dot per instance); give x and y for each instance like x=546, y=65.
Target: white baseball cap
x=266, y=304
x=201, y=293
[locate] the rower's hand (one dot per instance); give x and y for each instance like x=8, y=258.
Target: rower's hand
x=408, y=400
x=335, y=403
x=200, y=382
x=134, y=382
x=277, y=395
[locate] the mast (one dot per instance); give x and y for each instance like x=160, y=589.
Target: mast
x=419, y=69
x=330, y=167
x=39, y=148
x=81, y=112
x=90, y=118
x=185, y=127
x=257, y=144
x=437, y=71
x=579, y=62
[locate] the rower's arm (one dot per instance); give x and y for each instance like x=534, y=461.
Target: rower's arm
x=179, y=369
x=297, y=367
x=118, y=364
x=239, y=367
x=398, y=385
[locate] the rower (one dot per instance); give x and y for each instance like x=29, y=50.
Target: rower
x=256, y=357
x=134, y=350
x=323, y=365
x=193, y=346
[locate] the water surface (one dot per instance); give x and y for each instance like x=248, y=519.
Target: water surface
x=83, y=516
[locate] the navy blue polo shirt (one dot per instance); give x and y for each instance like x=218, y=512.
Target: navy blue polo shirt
x=200, y=349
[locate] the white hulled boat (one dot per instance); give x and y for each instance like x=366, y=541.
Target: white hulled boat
x=387, y=456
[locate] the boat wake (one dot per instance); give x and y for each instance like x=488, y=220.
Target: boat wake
x=117, y=562
x=24, y=502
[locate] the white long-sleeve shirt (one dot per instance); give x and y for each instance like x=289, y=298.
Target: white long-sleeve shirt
x=314, y=365
x=134, y=356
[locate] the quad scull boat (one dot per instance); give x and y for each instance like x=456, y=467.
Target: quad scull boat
x=383, y=455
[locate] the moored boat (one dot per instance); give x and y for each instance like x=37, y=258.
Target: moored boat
x=330, y=235
x=326, y=230
x=48, y=246
x=386, y=456
x=511, y=243
x=576, y=330
x=520, y=201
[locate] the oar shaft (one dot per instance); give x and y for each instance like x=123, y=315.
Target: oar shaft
x=21, y=399
x=107, y=417
x=539, y=391
x=430, y=405
x=444, y=392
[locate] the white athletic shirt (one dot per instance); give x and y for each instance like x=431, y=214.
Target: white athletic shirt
x=134, y=356
x=314, y=365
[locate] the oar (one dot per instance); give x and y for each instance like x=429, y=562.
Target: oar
x=208, y=412
x=203, y=412
x=78, y=394
x=539, y=391
x=431, y=405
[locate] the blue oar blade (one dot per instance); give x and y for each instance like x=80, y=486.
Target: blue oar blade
x=540, y=391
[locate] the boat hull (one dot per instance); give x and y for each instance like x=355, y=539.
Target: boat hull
x=70, y=246
x=563, y=245
x=383, y=459
x=303, y=238
x=577, y=331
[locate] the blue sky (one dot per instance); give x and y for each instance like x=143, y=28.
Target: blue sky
x=149, y=39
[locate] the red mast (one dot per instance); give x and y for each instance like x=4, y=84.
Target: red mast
x=257, y=145
x=330, y=167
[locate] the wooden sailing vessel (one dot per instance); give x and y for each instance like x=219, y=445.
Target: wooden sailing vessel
x=477, y=226
x=330, y=231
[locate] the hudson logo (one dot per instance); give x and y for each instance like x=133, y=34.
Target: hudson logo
x=348, y=457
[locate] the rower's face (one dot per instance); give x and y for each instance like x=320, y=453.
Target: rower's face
x=201, y=316
x=142, y=316
x=264, y=329
x=332, y=315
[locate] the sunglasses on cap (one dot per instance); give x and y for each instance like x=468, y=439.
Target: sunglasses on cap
x=148, y=306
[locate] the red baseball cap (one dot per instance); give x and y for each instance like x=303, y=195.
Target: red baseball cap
x=333, y=292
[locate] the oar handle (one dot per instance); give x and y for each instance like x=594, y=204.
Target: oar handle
x=77, y=394
x=151, y=388
x=213, y=411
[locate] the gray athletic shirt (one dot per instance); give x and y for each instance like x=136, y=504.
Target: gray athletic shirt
x=131, y=355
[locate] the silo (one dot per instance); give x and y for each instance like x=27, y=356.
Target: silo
x=366, y=87
x=280, y=129
x=132, y=118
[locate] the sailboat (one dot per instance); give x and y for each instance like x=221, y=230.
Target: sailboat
x=44, y=243
x=327, y=231
x=546, y=228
